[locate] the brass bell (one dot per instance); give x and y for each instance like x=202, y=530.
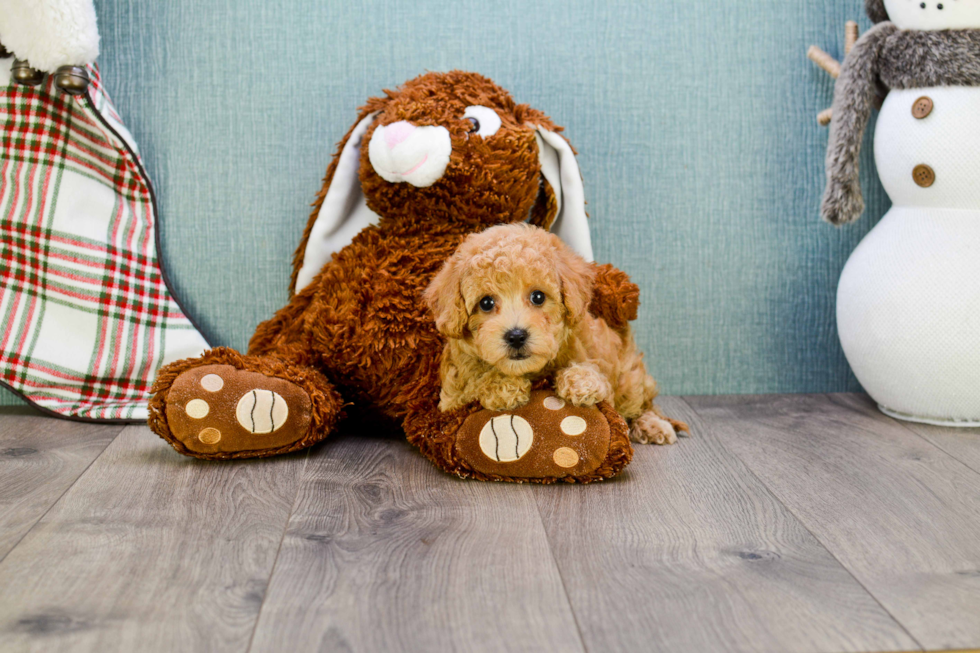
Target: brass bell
x=22, y=73
x=73, y=80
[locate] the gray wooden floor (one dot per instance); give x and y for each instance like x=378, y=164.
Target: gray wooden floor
x=787, y=523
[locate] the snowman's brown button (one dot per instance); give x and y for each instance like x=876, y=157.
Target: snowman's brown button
x=923, y=175
x=922, y=107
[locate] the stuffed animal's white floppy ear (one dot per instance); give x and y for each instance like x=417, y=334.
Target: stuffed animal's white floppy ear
x=344, y=211
x=50, y=33
x=560, y=169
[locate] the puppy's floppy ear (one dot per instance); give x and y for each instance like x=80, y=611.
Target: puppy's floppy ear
x=340, y=211
x=444, y=297
x=562, y=192
x=577, y=280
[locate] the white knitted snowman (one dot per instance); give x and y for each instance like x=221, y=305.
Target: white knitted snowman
x=908, y=303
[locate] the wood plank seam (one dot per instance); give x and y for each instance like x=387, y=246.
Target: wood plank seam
x=384, y=552
x=62, y=495
x=936, y=445
x=689, y=552
x=932, y=434
x=275, y=561
x=802, y=522
x=561, y=575
x=210, y=529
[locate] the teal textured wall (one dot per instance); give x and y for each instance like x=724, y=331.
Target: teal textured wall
x=694, y=121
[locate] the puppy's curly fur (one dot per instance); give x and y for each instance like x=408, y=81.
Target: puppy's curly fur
x=513, y=303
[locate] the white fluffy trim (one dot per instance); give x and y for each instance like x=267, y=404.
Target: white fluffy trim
x=50, y=33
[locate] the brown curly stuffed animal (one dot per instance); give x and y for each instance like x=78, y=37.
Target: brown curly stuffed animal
x=446, y=155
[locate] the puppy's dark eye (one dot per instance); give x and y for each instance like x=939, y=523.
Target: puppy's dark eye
x=537, y=298
x=475, y=123
x=487, y=304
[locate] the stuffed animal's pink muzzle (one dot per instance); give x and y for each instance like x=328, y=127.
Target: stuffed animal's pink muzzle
x=403, y=152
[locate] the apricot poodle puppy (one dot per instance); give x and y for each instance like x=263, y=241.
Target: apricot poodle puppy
x=513, y=303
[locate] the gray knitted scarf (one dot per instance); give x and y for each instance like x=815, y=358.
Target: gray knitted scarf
x=894, y=59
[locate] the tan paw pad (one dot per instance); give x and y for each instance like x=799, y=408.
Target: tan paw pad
x=573, y=425
x=209, y=436
x=197, y=409
x=554, y=403
x=565, y=457
x=212, y=383
x=506, y=438
x=262, y=411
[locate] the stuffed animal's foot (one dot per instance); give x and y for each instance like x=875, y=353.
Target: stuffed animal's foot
x=651, y=428
x=546, y=440
x=224, y=405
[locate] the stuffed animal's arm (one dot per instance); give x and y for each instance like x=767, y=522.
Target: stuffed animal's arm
x=854, y=97
x=615, y=298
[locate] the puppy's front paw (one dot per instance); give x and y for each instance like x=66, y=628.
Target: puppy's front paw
x=582, y=384
x=506, y=394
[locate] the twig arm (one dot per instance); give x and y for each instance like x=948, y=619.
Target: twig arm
x=824, y=60
x=850, y=36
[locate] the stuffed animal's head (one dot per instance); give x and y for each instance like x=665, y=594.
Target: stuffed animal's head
x=926, y=15
x=446, y=148
x=451, y=147
x=512, y=294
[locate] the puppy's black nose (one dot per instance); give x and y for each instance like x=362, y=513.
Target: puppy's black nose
x=516, y=338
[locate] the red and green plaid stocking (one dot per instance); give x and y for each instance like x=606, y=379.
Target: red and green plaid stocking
x=86, y=315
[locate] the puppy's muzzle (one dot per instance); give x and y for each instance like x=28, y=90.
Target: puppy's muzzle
x=516, y=339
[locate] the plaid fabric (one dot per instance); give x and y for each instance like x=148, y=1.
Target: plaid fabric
x=86, y=317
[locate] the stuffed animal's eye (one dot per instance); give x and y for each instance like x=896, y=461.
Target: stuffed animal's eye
x=487, y=304
x=485, y=120
x=537, y=298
